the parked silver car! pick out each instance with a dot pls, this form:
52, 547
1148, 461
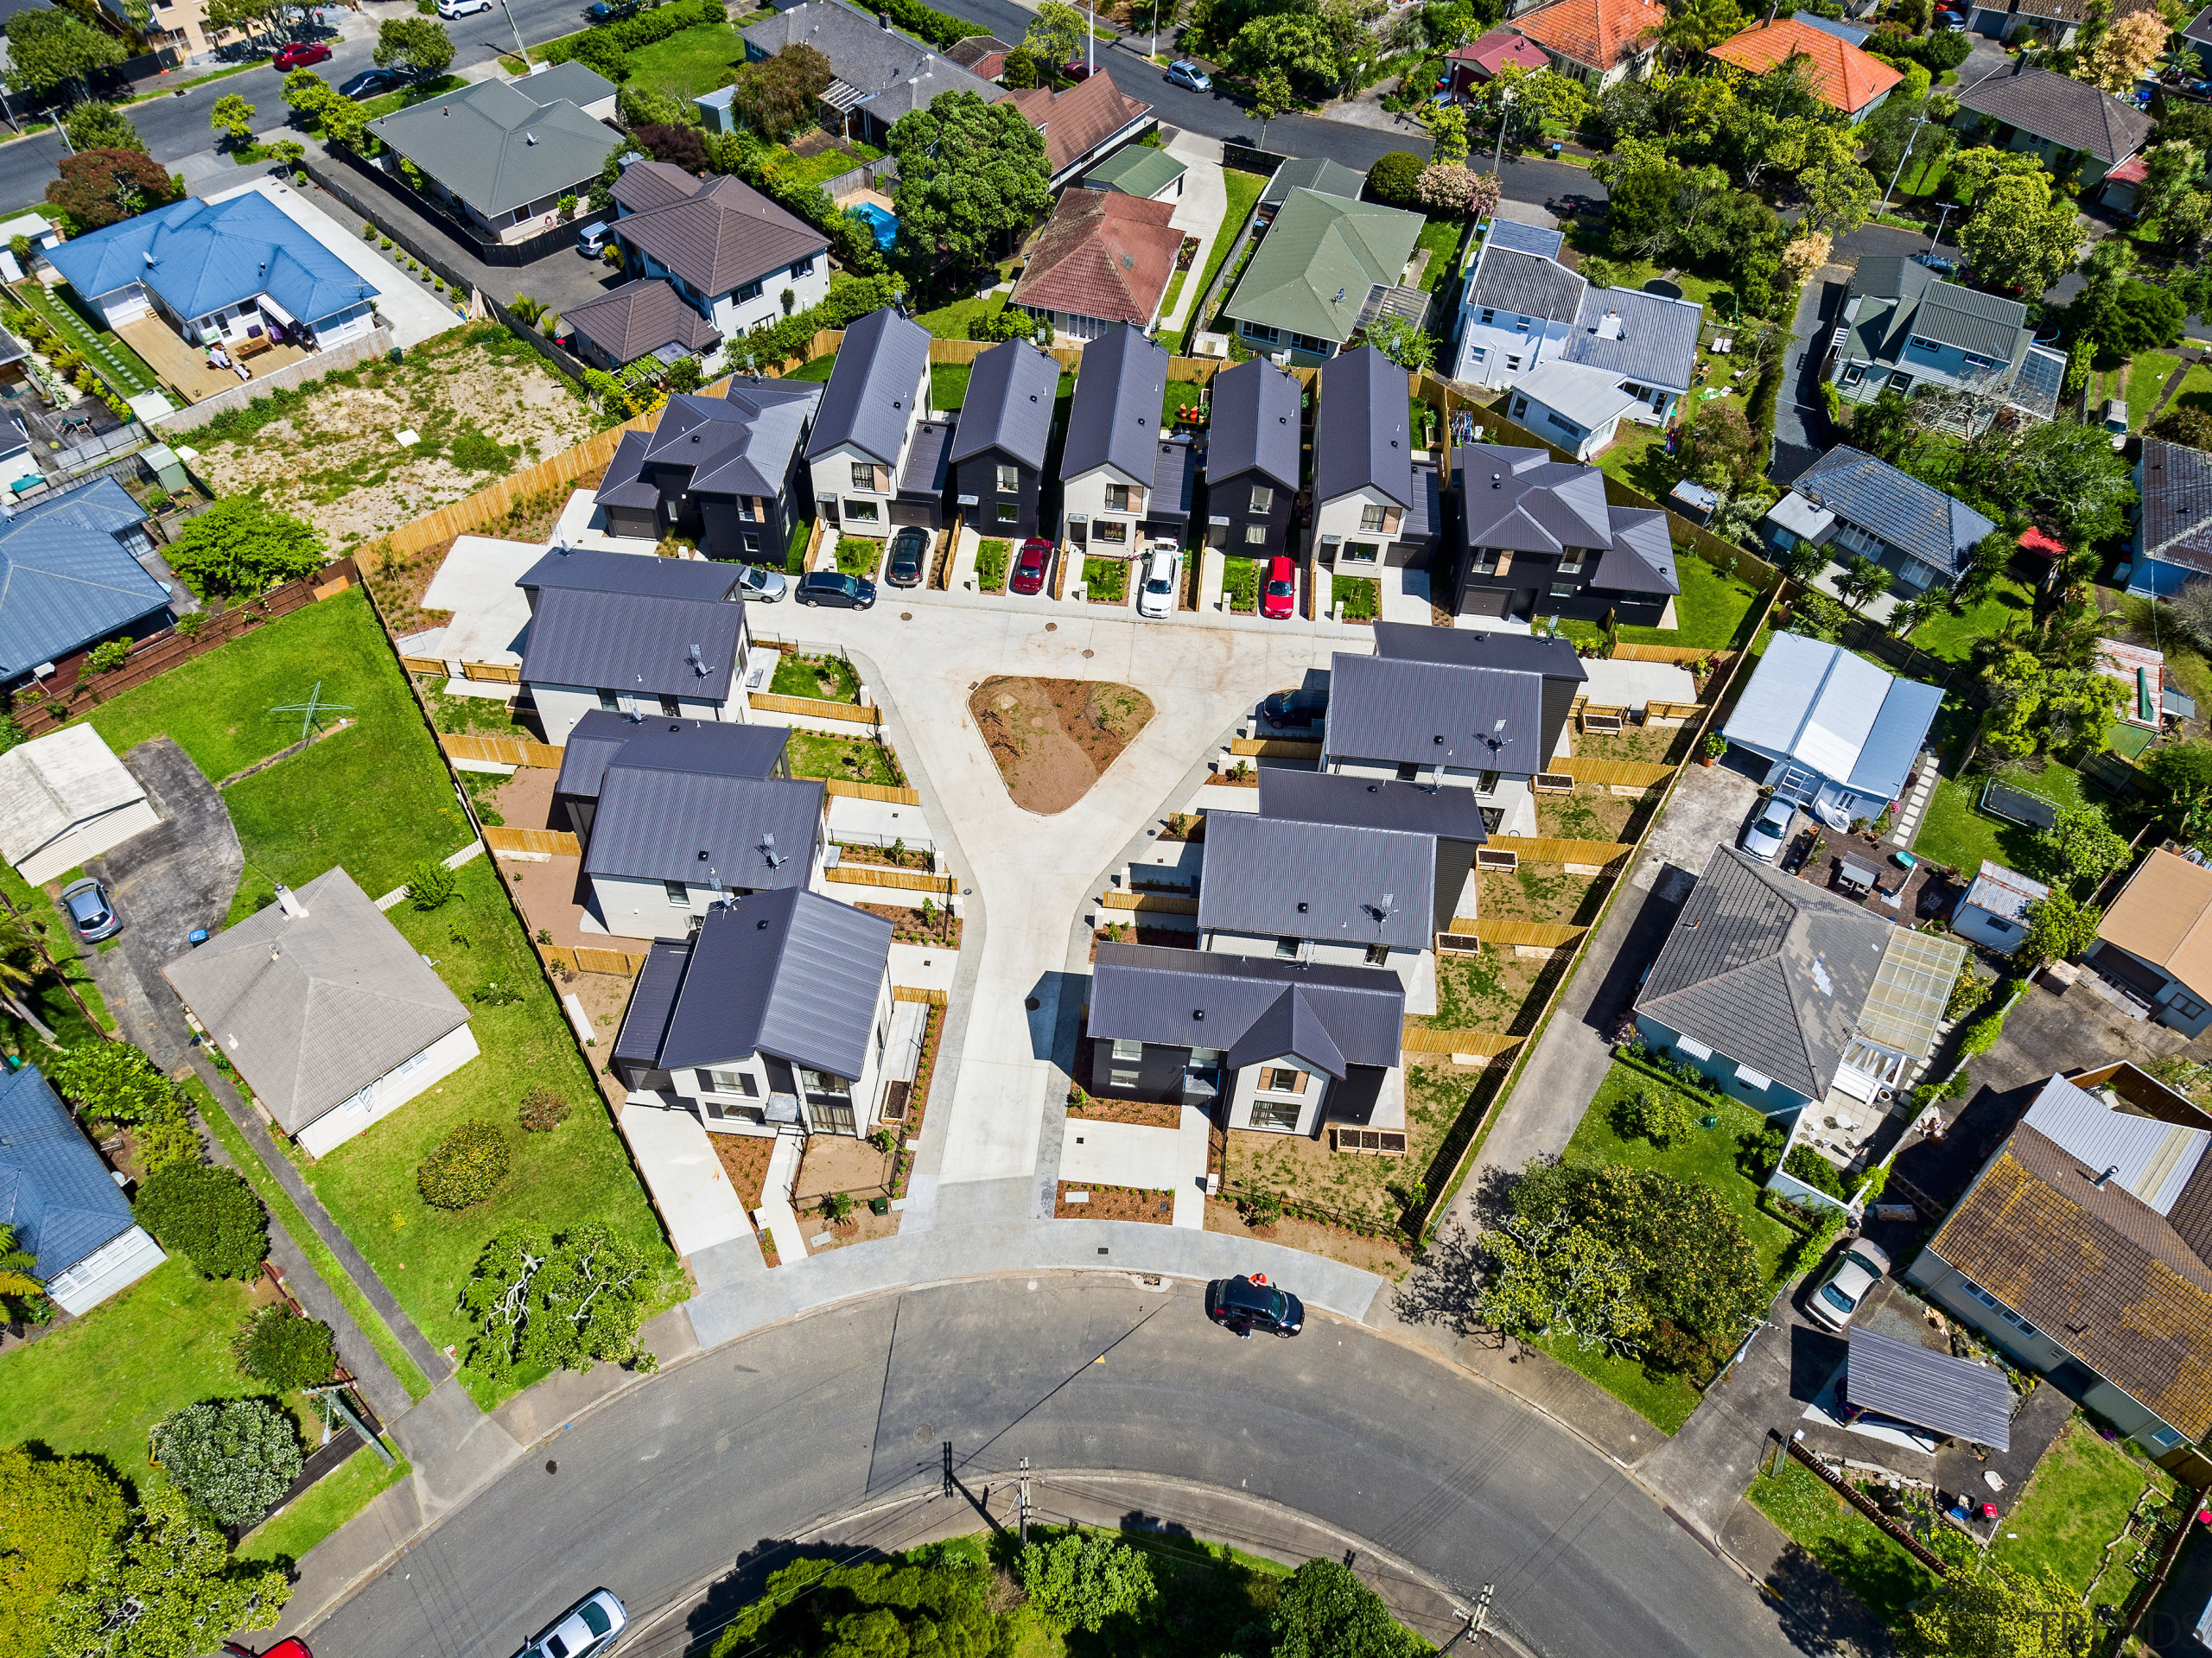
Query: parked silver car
1861, 1268
1770, 830
90, 911
590, 1626
762, 585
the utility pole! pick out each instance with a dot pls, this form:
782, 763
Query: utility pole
1090, 39
1910, 140
1505, 120
1939, 220
1023, 1510
521, 51
951, 1483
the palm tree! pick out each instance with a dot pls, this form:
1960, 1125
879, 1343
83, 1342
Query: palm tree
1862, 581
17, 976
17, 1279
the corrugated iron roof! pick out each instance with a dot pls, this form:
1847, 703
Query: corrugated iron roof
1113, 418
1953, 1398
1370, 802
1254, 425
2164, 914
1208, 998
1312, 269
703, 829
1362, 436
1011, 390
1939, 529
1322, 880
54, 1190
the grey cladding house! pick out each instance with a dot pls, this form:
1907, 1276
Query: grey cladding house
1551, 657
1851, 504
1121, 478
876, 462
995, 459
1903, 328
1374, 505
504, 152
1440, 724
1539, 537
1292, 1047
1253, 452
728, 472
726, 251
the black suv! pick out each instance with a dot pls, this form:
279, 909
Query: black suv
1248, 1304
838, 591
1295, 710
910, 551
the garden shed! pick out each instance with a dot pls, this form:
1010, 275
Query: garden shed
65, 797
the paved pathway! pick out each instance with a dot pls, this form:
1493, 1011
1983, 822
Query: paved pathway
1204, 205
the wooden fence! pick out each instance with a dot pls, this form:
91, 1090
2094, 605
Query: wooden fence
1858, 1500
816, 708
1275, 748
1672, 714
66, 693
881, 791
1155, 903
492, 673
553, 843
423, 664
1198, 370
1528, 934
587, 960
499, 751
1627, 650
1538, 848
1625, 774
1486, 1045
911, 993
906, 880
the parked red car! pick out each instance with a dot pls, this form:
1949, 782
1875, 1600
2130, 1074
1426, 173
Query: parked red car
300, 54
1279, 592
1077, 71
290, 1647
1034, 563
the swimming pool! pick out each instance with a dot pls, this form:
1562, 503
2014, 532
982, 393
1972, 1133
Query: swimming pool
884, 226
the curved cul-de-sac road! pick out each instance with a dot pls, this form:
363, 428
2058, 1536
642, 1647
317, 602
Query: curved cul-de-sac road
670, 1484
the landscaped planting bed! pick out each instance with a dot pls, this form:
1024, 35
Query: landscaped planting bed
825, 678
1858, 1553
1240, 581
858, 555
992, 558
1115, 1204
1359, 598
1106, 580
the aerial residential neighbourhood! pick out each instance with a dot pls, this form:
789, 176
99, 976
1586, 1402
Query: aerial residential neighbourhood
1263, 831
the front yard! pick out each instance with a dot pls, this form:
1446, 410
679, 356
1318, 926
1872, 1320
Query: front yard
850, 760
1855, 1551
2077, 1502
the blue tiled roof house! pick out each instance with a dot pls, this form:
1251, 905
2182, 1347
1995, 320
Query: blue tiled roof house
63, 1204
1851, 504
212, 268
68, 578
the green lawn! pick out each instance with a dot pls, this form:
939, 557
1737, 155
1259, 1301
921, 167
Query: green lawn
1243, 194
992, 557
1709, 1157
854, 759
858, 555
798, 172
804, 676
1952, 637
101, 1383
49, 996
1106, 579
948, 385
952, 321
121, 367
2146, 379
406, 97
1709, 612
1441, 237
325, 1506
2076, 1501
1359, 597
1240, 581
579, 1171
1857, 1553
1956, 833
818, 370
692, 61
1181, 395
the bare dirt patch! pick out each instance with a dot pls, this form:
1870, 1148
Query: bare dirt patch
1653, 744
1146, 1114
745, 1159
1115, 1204
1378, 1256
863, 1227
912, 927
836, 1163
1051, 739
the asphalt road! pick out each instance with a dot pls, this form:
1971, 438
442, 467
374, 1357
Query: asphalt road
705, 1470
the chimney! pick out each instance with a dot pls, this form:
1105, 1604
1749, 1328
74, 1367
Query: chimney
883, 19
2019, 63
289, 902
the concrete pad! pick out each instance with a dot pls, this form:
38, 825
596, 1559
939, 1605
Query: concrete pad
583, 523
881, 819
1631, 685
923, 967
476, 582
1193, 1137
1120, 1154
455, 1448
1202, 211
1405, 596
414, 314
686, 1178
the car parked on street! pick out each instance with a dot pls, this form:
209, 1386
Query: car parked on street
1245, 1304
762, 585
909, 559
1032, 566
590, 1626
91, 912
462, 7
1279, 592
1859, 1269
372, 83
837, 590
300, 54
1770, 830
1079, 71
1184, 72
1295, 710
608, 11
1163, 569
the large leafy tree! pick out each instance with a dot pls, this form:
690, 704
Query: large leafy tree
1552, 1276
232, 118
419, 46
2081, 847
48, 49
2002, 1612
173, 1591
2058, 928
1055, 33
59, 1518
2115, 58
776, 96
1085, 1580
98, 125
105, 187
210, 1214
2023, 235
565, 1302
113, 1082
970, 174
1324, 1610
234, 1457
240, 546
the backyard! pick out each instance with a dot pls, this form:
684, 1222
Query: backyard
2077, 1502
1708, 614
121, 367
850, 760
374, 796
1952, 636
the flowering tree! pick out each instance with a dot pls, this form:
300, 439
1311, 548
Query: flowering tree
1801, 255
2117, 58
1444, 188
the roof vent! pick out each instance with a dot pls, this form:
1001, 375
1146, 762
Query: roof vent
1197, 1012
530, 138
1440, 737
2107, 1175
1140, 420
289, 902
761, 925
703, 855
1497, 481
1128, 263
1374, 788
1301, 906
1609, 326
1032, 396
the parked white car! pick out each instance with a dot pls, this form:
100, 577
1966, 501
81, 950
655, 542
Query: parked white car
1841, 1293
462, 7
588, 1628
1770, 832
1163, 571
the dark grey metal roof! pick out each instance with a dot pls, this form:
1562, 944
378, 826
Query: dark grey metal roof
1527, 285
1890, 276
1314, 172
586, 569
868, 56
54, 1190
1642, 558
1643, 338
713, 747
1524, 239
1382, 709
2199, 28
1205, 999
1361, 434
1468, 647
1174, 479
1254, 424
1009, 403
2070, 113
1954, 1398
1114, 418
1984, 323
869, 401
653, 824
644, 1022
1770, 971
1918, 517
1327, 881
1525, 502
740, 443
625, 642
927, 471
1370, 803
791, 974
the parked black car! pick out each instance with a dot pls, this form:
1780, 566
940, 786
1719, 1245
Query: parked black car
1248, 1304
838, 591
1296, 710
372, 83
909, 559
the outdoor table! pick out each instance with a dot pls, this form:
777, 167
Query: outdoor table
1858, 875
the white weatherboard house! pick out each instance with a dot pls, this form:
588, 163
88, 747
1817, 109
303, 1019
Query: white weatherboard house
65, 797
1841, 735
332, 1017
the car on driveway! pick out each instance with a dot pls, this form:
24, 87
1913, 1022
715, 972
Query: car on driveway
300, 54
909, 559
837, 590
1279, 592
1184, 72
1245, 1304
762, 585
90, 911
1163, 567
372, 83
462, 7
590, 1626
1295, 710
1770, 830
1032, 566
1860, 1268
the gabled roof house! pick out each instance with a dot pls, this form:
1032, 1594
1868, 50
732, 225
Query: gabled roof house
727, 473
2155, 942
1844, 77
1254, 449
1903, 328
1854, 505
645, 318
726, 252
995, 460
876, 460
65, 1207
70, 577
1551, 656
66, 798
879, 73
1597, 42
1542, 539
1121, 477
1082, 125
504, 152
2172, 540
1840, 736
1103, 257
1325, 265
2047, 115
1374, 505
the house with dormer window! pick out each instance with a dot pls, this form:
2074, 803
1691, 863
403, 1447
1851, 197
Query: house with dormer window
877, 462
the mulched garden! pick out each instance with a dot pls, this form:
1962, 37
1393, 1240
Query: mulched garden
1115, 1204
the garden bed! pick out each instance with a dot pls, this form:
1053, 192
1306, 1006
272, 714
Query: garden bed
858, 554
745, 1159
1106, 580
1052, 739
1359, 598
992, 558
912, 927
1240, 584
1386, 1257
1145, 1114
1115, 1204
1857, 1553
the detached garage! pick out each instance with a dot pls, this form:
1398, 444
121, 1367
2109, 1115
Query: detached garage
64, 798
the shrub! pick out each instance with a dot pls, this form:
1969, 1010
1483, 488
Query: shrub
430, 885
113, 1082
543, 1111
1967, 993
1805, 1164
234, 1457
1659, 1115
1395, 178
240, 546
1081, 1579
210, 1214
106, 658
467, 1165
287, 1351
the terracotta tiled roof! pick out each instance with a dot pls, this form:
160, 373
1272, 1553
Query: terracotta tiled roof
1102, 254
1846, 77
1077, 121
1596, 33
1501, 47
2095, 1268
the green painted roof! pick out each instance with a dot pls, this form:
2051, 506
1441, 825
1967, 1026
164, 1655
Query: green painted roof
1140, 170
1318, 247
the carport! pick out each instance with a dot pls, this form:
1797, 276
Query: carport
1903, 1384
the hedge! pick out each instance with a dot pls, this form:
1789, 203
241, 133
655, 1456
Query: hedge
210, 1214
607, 47
932, 26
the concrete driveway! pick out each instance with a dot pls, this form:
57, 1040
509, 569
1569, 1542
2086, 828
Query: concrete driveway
178, 875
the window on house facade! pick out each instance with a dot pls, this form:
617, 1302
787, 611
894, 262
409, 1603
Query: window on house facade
863, 475
859, 512
1282, 1079
1358, 552
1281, 1115
803, 268
1853, 373
1261, 331
1900, 383
1481, 561
1513, 366
1562, 589
1489, 316
1378, 956
1110, 531
1120, 1078
1480, 355
1370, 518
730, 1082
750, 290
1922, 343
678, 893
611, 701
1486, 784
1126, 1049
1559, 423
1254, 534
1408, 769
1009, 480
671, 708
1117, 498
1570, 561
1263, 499
1313, 343
1008, 513
1286, 950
